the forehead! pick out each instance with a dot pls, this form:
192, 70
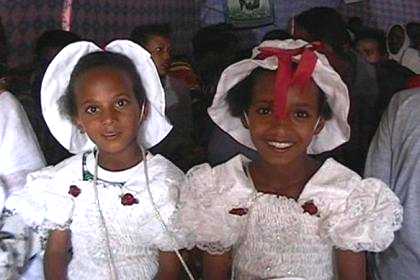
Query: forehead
396, 31
158, 40
367, 43
264, 87
103, 77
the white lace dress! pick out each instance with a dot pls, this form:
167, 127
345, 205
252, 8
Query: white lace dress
135, 234
272, 236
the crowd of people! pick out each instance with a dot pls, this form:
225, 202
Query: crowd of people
296, 159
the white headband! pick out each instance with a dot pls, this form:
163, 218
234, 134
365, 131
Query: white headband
336, 130
56, 79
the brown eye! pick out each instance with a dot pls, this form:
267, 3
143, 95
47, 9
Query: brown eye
264, 111
121, 103
92, 110
301, 114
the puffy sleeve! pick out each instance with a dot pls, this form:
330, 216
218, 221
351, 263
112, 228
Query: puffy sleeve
40, 203
206, 201
358, 215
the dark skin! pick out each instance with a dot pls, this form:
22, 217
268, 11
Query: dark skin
108, 111
284, 167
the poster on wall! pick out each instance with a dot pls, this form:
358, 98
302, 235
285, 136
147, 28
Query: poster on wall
249, 13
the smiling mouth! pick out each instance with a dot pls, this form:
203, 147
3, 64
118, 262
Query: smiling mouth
111, 135
281, 146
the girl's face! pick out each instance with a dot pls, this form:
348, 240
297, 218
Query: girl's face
108, 111
160, 49
282, 142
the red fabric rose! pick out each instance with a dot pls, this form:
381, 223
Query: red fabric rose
239, 211
128, 199
74, 190
310, 208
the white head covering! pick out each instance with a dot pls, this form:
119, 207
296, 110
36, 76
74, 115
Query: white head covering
398, 56
336, 130
406, 56
56, 79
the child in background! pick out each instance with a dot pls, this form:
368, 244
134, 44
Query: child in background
179, 146
105, 206
20, 154
390, 75
286, 214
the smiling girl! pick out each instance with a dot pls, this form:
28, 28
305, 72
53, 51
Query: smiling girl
103, 208
286, 215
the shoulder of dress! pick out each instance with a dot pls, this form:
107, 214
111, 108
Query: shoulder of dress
219, 172
68, 167
334, 173
165, 168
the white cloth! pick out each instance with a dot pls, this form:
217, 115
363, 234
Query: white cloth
406, 56
276, 238
394, 157
19, 149
54, 85
19, 155
134, 232
336, 130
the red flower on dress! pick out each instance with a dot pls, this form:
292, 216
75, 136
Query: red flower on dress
310, 208
74, 190
239, 211
128, 199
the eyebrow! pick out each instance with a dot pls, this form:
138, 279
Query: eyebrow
265, 101
91, 101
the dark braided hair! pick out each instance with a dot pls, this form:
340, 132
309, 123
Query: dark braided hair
97, 60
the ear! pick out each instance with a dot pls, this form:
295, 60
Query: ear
144, 111
79, 125
244, 120
319, 126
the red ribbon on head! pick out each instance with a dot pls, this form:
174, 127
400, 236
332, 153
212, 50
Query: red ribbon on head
285, 77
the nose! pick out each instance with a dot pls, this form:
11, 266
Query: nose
109, 116
280, 123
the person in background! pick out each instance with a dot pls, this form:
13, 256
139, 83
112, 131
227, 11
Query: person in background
391, 76
394, 157
413, 32
216, 47
179, 146
354, 26
325, 27
398, 47
46, 48
20, 154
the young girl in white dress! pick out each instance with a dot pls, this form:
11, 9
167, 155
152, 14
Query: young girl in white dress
286, 215
110, 210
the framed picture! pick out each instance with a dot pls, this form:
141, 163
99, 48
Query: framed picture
249, 13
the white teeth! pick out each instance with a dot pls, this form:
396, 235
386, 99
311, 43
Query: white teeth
280, 145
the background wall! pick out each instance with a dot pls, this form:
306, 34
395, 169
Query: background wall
375, 13
99, 20
102, 20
